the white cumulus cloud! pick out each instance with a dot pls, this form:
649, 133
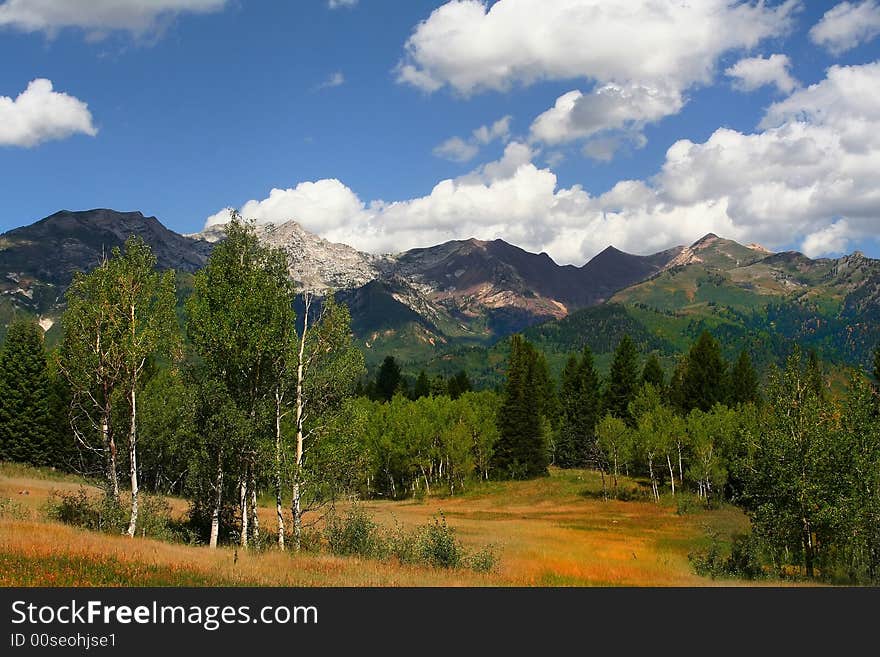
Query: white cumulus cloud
39, 114
805, 177
641, 56
464, 150
341, 4
472, 46
457, 150
755, 72
324, 205
847, 25
97, 16
611, 107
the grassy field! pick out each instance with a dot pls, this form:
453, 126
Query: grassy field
554, 531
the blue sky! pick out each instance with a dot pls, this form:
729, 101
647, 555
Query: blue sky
212, 104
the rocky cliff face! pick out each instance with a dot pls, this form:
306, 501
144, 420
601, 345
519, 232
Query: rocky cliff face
317, 265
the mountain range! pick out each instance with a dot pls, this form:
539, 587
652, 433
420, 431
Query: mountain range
448, 305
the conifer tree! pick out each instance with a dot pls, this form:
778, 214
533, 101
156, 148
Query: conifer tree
743, 381
545, 388
676, 385
579, 408
564, 455
521, 450
458, 385
814, 375
26, 433
704, 381
422, 387
653, 373
388, 379
623, 383
439, 386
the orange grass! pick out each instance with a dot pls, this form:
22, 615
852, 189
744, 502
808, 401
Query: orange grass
548, 532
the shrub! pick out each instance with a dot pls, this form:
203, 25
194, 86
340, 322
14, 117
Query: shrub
743, 562
403, 545
12, 509
94, 513
745, 557
309, 540
438, 546
483, 560
354, 535
101, 513
686, 504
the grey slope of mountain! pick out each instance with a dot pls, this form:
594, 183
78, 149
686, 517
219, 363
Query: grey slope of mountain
37, 262
53, 248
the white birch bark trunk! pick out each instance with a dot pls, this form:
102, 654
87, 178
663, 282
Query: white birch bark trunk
279, 511
218, 500
243, 503
132, 457
110, 447
297, 471
255, 519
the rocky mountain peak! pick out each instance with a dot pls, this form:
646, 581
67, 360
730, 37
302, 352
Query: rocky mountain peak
316, 265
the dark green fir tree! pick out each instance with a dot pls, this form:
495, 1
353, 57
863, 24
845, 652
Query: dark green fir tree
422, 387
704, 383
743, 381
815, 377
623, 381
26, 429
579, 411
521, 449
652, 373
458, 385
388, 379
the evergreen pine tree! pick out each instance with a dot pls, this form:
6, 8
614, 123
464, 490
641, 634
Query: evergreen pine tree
439, 386
521, 450
676, 385
26, 433
623, 382
815, 378
458, 385
705, 380
569, 394
580, 406
653, 373
544, 387
388, 379
63, 446
422, 387
743, 381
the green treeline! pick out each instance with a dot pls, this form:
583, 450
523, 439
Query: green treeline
235, 401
